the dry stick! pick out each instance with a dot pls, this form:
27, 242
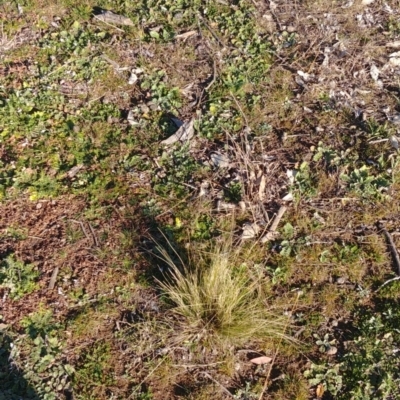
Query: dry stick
274, 225
82, 227
240, 109
107, 23
114, 64
173, 207
264, 211
145, 379
265, 387
246, 140
275, 17
35, 237
197, 365
313, 45
277, 219
96, 242
378, 141
53, 278
395, 254
214, 75
224, 389
242, 154
210, 30
387, 282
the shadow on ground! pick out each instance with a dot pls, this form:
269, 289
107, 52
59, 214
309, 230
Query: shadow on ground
13, 385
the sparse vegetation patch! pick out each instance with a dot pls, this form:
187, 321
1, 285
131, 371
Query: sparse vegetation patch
199, 199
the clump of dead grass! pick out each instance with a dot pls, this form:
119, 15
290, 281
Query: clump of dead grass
215, 299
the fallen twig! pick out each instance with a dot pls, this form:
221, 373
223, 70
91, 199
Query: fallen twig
82, 227
139, 386
274, 226
277, 219
214, 77
378, 141
35, 237
96, 242
387, 282
197, 365
264, 211
246, 129
272, 10
53, 278
104, 22
393, 250
223, 388
267, 378
216, 37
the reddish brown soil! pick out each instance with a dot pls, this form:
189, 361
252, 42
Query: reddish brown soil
48, 245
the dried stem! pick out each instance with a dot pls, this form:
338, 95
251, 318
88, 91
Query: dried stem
393, 250
53, 278
274, 226
265, 387
224, 389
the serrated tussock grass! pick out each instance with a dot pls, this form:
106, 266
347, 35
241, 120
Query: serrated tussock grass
215, 299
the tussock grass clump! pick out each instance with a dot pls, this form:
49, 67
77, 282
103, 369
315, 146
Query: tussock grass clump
217, 301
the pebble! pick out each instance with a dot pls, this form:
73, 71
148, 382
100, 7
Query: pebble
342, 280
220, 160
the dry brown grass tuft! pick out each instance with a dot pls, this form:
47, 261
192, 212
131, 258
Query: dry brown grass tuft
217, 302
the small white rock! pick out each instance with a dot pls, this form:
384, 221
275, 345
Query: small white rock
250, 231
394, 141
134, 75
183, 134
374, 71
220, 160
288, 197
332, 351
